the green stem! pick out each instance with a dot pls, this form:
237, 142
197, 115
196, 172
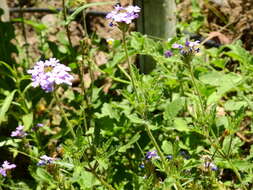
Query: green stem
66, 26
237, 173
102, 181
24, 31
129, 65
159, 152
64, 114
196, 89
25, 154
92, 170
92, 78
136, 92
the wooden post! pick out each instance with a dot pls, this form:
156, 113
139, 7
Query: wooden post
157, 19
6, 16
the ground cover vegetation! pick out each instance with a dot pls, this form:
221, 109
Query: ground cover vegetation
67, 122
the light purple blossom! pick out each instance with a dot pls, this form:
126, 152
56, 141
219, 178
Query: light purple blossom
152, 154
123, 14
44, 160
5, 167
49, 73
19, 132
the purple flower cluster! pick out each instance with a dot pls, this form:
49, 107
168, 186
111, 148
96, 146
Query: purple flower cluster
49, 73
44, 160
19, 132
123, 14
152, 154
189, 47
5, 167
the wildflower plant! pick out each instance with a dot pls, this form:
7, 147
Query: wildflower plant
102, 125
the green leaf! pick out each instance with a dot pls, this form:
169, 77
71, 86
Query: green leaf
167, 147
27, 120
80, 9
108, 110
223, 83
215, 78
13, 73
64, 164
6, 105
173, 108
43, 175
36, 25
222, 121
181, 125
238, 53
129, 144
84, 178
233, 105
242, 165
10, 142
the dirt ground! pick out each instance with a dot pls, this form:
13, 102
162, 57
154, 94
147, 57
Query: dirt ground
226, 20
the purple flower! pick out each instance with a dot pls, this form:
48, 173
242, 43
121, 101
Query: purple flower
189, 48
191, 44
49, 73
142, 166
19, 132
211, 166
177, 46
39, 125
152, 154
123, 14
168, 54
169, 157
44, 160
5, 167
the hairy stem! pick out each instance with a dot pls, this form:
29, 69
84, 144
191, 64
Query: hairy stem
65, 19
196, 89
57, 99
130, 66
